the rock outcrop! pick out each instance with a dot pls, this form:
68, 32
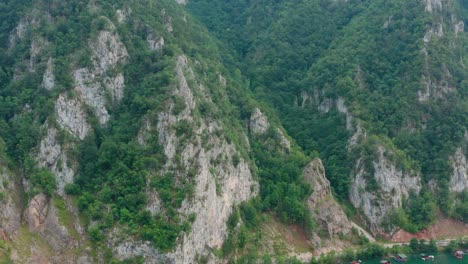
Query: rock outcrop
459, 180
10, 214
154, 41
52, 156
434, 5
325, 210
71, 116
217, 186
36, 213
48, 80
258, 122
393, 186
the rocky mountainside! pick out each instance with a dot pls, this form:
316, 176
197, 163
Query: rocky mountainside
184, 132
378, 88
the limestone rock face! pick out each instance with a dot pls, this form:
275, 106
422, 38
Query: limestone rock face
108, 51
71, 116
36, 213
130, 248
459, 180
52, 155
154, 41
217, 186
48, 80
10, 214
325, 210
258, 122
434, 5
284, 142
393, 184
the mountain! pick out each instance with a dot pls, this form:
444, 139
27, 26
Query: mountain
214, 131
378, 88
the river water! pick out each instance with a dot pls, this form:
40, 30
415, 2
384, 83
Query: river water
440, 258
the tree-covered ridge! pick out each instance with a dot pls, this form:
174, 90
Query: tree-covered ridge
114, 171
304, 56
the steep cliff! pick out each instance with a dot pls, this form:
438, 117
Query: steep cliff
325, 210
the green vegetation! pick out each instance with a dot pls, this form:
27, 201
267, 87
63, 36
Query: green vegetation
299, 54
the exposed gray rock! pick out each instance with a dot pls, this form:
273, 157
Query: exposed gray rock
56, 235
51, 155
123, 14
284, 142
218, 186
393, 187
48, 79
305, 97
20, 30
37, 45
10, 214
94, 85
258, 122
167, 21
129, 249
459, 180
154, 41
341, 107
108, 51
459, 27
433, 88
325, 210
71, 116
222, 80
326, 105
437, 32
433, 5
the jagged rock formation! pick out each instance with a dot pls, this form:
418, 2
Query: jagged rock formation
459, 180
393, 186
325, 210
10, 215
52, 155
48, 80
36, 213
258, 122
71, 116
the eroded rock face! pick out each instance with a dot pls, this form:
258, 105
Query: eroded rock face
145, 249
258, 122
218, 186
393, 187
459, 180
48, 79
108, 51
435, 32
10, 215
93, 84
71, 116
52, 155
434, 5
92, 93
284, 142
36, 213
325, 210
123, 14
154, 41
56, 235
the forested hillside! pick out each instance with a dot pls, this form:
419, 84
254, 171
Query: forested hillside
351, 77
213, 132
